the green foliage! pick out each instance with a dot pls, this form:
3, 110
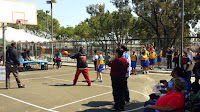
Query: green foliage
95, 10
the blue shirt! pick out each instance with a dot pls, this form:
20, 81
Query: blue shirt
170, 84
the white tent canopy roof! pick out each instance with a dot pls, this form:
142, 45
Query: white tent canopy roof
18, 35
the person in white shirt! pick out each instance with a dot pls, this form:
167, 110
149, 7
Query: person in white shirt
95, 57
189, 54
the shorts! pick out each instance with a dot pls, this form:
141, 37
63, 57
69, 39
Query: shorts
133, 64
159, 59
152, 61
144, 63
100, 69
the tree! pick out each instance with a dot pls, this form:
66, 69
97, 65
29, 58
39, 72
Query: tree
40, 28
95, 9
164, 17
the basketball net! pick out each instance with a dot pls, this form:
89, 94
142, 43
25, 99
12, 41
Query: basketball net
21, 23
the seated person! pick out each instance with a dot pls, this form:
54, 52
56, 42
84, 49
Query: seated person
176, 72
171, 101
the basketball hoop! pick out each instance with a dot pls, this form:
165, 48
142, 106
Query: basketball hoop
21, 23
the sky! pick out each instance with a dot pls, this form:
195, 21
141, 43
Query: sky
70, 12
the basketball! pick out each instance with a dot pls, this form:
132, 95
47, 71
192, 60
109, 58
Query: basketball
65, 53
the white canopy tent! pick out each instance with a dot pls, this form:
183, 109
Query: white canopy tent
19, 35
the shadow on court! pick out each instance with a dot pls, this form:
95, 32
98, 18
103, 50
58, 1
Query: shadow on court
97, 105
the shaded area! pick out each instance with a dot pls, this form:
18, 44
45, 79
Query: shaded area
61, 85
105, 106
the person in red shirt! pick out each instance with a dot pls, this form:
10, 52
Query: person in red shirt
119, 67
172, 100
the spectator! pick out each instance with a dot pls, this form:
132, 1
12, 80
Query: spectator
176, 72
159, 58
82, 66
169, 58
107, 59
189, 54
133, 62
197, 66
100, 65
95, 57
119, 66
128, 58
187, 67
12, 64
144, 62
58, 59
176, 58
152, 56
171, 101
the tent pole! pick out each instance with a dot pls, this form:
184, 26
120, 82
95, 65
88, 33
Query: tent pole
4, 44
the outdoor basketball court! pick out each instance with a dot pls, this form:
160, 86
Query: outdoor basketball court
52, 90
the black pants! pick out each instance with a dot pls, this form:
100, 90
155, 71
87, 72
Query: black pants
58, 63
95, 65
176, 62
126, 90
169, 63
118, 86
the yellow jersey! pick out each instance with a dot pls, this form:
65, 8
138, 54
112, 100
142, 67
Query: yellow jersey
133, 57
100, 60
152, 55
159, 53
143, 57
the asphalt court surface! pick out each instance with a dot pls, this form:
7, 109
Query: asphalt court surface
52, 91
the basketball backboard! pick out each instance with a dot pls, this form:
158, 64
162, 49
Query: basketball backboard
11, 11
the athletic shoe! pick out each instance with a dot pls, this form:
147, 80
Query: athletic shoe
89, 84
135, 73
22, 86
127, 102
141, 67
74, 84
97, 79
143, 72
100, 80
147, 72
131, 74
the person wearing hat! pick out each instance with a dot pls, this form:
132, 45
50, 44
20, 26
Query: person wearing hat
12, 64
133, 62
171, 101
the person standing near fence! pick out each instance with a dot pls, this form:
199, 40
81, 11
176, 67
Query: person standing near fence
159, 58
100, 65
152, 57
128, 58
58, 59
169, 58
82, 66
197, 66
12, 64
107, 59
144, 62
176, 58
133, 62
95, 57
119, 67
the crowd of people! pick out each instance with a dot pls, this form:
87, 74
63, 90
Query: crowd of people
120, 71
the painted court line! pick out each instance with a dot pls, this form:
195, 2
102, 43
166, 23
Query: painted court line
40, 77
81, 100
102, 86
50, 110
